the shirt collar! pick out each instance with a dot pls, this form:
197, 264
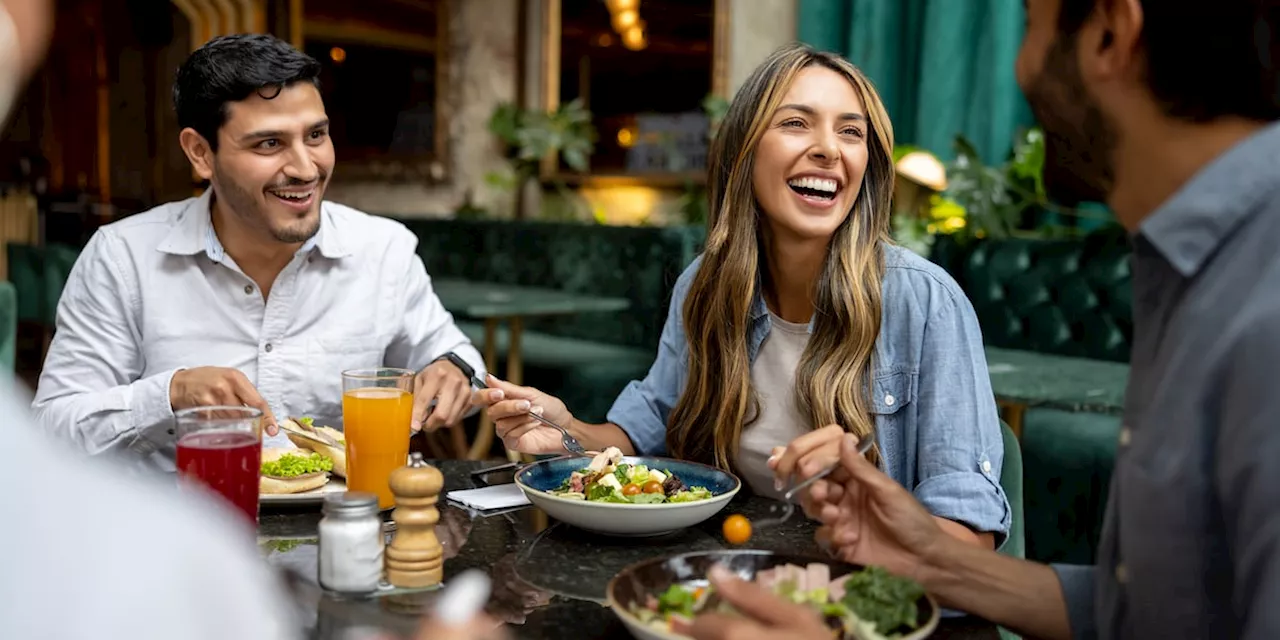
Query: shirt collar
759, 309
193, 233
1189, 227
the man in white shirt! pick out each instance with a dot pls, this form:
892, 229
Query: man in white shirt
256, 293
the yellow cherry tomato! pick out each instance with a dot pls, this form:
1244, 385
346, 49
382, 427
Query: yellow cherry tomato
737, 529
653, 486
631, 489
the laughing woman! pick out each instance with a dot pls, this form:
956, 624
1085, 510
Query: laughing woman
802, 321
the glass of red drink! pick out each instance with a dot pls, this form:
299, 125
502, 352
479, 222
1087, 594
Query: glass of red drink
221, 448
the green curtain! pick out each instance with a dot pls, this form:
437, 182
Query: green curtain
942, 67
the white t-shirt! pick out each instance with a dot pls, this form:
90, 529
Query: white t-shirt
92, 552
773, 374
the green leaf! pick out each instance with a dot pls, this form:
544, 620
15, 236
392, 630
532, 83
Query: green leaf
882, 598
648, 498
575, 159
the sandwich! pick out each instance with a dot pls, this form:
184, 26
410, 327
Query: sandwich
293, 470
325, 441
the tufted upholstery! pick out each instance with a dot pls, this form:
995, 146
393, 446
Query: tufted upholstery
638, 263
585, 359
1069, 297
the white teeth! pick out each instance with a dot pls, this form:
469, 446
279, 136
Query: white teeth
292, 196
817, 184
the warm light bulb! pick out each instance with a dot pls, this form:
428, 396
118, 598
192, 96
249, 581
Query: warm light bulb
626, 137
624, 20
621, 5
633, 38
338, 54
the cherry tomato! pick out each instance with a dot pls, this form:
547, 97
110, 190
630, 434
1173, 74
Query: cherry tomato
653, 486
737, 529
631, 489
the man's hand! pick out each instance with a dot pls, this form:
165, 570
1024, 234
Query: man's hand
767, 616
444, 383
509, 405
871, 519
218, 386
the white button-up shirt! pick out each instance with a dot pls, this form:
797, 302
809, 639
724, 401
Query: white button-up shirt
156, 292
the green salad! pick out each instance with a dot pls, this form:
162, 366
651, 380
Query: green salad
608, 479
871, 604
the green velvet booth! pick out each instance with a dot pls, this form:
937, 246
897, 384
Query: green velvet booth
1065, 297
1056, 318
1011, 480
585, 359
8, 325
38, 275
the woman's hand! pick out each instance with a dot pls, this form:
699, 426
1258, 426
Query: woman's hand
806, 456
871, 519
509, 406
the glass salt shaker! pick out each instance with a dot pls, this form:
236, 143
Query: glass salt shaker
351, 543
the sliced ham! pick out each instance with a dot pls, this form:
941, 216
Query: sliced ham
835, 588
818, 576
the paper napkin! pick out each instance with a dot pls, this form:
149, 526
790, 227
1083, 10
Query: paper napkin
501, 496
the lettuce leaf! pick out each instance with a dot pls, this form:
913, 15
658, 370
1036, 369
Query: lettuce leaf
296, 464
648, 498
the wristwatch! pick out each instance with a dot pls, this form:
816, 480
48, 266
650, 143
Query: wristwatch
462, 365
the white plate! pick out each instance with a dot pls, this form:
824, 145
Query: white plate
314, 496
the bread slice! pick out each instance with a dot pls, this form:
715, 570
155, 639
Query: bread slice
337, 454
297, 484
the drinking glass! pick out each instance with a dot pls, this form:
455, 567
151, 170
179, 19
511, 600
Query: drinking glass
221, 448
377, 409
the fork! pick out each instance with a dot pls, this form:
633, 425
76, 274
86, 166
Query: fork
567, 441
789, 507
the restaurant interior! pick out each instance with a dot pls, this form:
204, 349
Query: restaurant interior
560, 145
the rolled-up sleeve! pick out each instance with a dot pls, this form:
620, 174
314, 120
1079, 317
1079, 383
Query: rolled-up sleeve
960, 449
643, 407
1077, 583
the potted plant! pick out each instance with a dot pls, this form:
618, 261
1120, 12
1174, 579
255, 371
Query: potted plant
529, 135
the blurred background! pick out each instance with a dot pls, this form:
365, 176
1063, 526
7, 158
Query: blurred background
562, 143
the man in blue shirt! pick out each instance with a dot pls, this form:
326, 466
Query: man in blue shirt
1168, 109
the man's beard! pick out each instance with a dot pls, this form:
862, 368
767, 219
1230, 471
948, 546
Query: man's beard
244, 206
1078, 140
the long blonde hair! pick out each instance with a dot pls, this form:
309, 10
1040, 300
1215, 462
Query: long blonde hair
836, 367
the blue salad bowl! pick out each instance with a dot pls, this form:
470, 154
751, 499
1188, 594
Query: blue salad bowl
539, 479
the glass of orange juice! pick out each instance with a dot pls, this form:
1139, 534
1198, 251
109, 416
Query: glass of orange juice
377, 408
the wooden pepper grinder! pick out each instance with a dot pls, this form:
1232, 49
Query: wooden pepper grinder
415, 557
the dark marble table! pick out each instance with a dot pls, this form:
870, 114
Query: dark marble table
549, 579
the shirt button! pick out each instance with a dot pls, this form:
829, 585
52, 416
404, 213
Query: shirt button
1122, 574
986, 466
1124, 436
248, 289
888, 400
267, 348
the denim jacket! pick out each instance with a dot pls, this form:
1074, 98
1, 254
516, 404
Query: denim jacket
935, 414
